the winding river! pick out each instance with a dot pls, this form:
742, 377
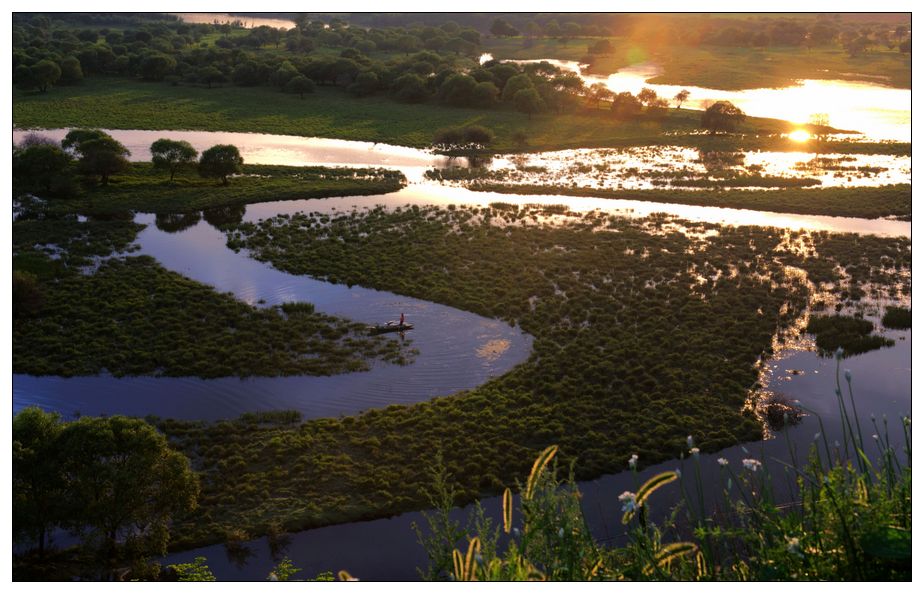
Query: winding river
479, 349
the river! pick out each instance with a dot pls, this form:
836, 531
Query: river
480, 348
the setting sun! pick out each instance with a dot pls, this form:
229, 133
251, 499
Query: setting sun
799, 135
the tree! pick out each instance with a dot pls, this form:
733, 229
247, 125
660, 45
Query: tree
210, 75
722, 116
626, 106
124, 484
156, 66
410, 88
70, 70
45, 167
600, 92
515, 84
366, 83
681, 96
484, 94
647, 96
44, 74
220, 161
172, 155
501, 28
99, 154
300, 84
457, 89
38, 484
527, 101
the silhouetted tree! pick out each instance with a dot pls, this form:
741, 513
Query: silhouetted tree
681, 97
172, 155
722, 116
220, 161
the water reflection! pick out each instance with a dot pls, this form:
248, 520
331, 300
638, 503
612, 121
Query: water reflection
879, 112
220, 18
176, 222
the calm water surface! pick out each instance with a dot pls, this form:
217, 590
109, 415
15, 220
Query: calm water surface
878, 112
220, 18
387, 549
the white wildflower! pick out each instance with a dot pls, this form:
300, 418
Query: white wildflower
792, 545
689, 441
847, 375
722, 462
633, 461
875, 437
695, 452
628, 501
751, 464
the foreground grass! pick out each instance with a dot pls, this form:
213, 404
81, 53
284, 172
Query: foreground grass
716, 67
130, 316
607, 300
144, 189
332, 113
867, 203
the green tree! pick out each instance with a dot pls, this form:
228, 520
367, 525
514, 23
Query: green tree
210, 75
156, 66
43, 167
722, 116
220, 161
626, 106
124, 485
514, 84
37, 481
99, 153
410, 88
45, 73
527, 101
71, 71
484, 94
172, 155
300, 84
501, 28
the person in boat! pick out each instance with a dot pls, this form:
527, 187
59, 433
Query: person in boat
401, 323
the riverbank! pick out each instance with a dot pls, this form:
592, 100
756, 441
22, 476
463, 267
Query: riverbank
118, 103
142, 188
868, 203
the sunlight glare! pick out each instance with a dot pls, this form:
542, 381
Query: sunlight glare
799, 136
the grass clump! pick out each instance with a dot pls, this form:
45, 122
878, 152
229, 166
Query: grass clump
897, 318
850, 335
843, 518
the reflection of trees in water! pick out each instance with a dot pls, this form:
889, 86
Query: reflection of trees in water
118, 215
279, 543
176, 222
221, 216
238, 553
717, 162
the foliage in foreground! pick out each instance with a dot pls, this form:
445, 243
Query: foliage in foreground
847, 520
115, 482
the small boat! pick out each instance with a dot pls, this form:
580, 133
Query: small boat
391, 326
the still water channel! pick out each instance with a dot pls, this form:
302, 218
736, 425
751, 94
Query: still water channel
478, 349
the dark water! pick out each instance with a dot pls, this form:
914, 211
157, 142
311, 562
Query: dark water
387, 549
457, 350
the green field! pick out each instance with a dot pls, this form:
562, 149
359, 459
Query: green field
627, 296
83, 324
144, 189
331, 113
717, 67
867, 203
